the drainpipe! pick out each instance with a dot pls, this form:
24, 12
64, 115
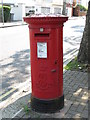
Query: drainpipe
2, 13
64, 7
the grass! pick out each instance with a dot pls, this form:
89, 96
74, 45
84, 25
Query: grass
75, 65
26, 109
33, 114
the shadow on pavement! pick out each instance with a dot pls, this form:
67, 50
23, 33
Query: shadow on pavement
15, 70
16, 107
76, 96
79, 28
69, 51
72, 40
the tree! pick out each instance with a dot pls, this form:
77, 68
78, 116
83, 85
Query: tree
83, 55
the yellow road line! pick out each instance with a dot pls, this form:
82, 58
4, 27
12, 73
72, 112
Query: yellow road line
7, 93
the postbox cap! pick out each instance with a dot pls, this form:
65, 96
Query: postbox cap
42, 18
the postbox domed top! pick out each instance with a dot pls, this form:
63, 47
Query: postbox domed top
45, 19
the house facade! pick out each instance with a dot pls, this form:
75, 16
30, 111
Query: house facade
76, 9
21, 8
69, 8
85, 3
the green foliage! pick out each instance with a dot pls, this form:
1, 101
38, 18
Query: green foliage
6, 12
82, 8
0, 12
26, 109
75, 65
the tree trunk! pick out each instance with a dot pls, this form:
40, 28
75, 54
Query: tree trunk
83, 55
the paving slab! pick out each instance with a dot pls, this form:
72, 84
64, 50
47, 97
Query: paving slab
59, 114
76, 100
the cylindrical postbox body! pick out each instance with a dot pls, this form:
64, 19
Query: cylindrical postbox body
46, 45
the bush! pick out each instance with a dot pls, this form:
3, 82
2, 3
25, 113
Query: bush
6, 12
82, 8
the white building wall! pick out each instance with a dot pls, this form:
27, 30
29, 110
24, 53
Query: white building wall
57, 6
17, 10
52, 9
69, 1
23, 11
59, 2
37, 9
69, 11
28, 8
85, 3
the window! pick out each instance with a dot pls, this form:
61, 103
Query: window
45, 10
57, 10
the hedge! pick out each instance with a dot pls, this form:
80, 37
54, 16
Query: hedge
6, 12
82, 8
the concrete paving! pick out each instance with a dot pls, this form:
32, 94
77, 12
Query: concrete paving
75, 90
76, 97
12, 24
76, 100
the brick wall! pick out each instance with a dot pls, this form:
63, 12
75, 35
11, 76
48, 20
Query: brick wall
77, 12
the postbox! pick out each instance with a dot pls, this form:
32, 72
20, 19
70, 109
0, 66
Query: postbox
46, 46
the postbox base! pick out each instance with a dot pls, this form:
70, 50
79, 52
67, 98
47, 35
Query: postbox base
47, 106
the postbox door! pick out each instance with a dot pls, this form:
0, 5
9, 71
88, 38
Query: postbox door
53, 62
45, 74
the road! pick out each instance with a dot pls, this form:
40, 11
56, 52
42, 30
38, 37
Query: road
15, 55
13, 39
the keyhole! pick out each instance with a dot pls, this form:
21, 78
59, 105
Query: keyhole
56, 62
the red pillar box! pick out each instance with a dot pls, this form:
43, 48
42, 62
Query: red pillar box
46, 44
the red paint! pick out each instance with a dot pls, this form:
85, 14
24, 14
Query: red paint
47, 73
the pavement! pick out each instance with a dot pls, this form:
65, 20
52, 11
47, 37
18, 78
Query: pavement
76, 99
75, 88
12, 24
